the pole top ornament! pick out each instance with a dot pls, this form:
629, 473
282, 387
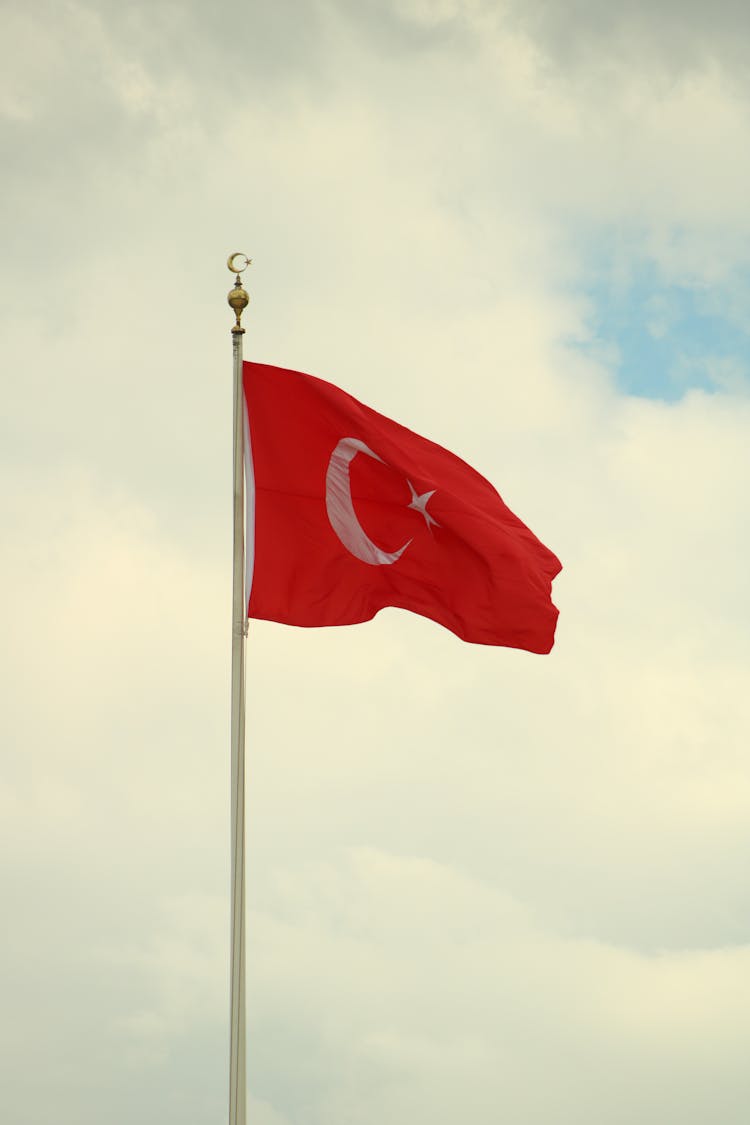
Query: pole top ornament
237, 297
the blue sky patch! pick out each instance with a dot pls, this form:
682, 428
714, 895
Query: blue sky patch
664, 339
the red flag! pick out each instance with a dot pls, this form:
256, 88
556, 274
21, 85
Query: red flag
354, 512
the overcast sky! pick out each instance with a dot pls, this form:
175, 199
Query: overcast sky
484, 886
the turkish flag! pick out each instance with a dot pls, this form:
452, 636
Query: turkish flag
349, 512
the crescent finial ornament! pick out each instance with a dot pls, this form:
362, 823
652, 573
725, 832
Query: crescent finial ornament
234, 259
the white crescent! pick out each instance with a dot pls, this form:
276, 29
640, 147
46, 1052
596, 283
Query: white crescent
340, 506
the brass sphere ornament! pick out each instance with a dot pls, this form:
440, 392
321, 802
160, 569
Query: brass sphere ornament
238, 298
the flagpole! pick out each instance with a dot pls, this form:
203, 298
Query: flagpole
238, 300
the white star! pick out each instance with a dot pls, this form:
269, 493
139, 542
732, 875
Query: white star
419, 504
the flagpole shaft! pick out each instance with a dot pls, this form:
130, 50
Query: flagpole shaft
237, 1077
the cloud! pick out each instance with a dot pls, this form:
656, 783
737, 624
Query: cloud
583, 35
673, 37
491, 1001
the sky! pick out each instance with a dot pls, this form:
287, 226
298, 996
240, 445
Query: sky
482, 885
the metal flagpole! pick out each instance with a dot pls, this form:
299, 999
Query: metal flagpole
238, 300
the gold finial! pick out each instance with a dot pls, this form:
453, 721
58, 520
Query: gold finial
237, 297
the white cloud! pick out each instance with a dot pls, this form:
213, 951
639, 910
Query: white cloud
462, 999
